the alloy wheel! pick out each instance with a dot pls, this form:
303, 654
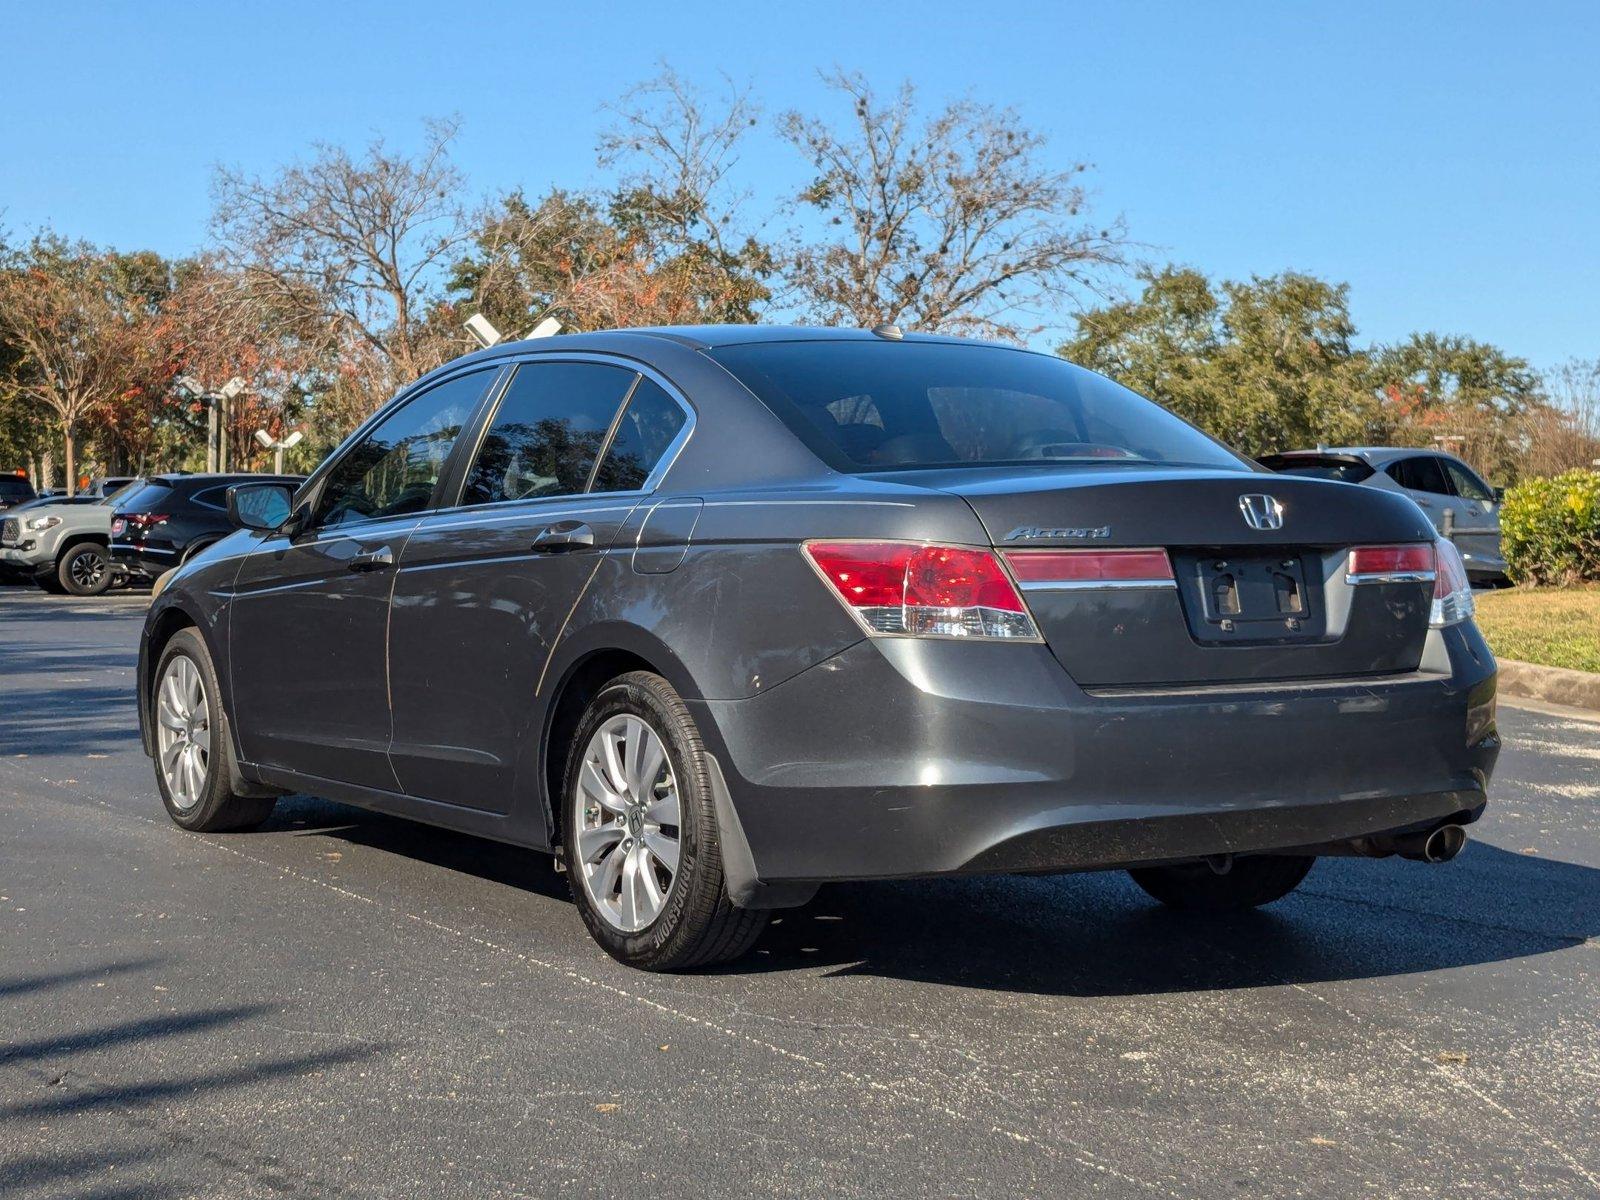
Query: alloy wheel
183, 732
87, 569
627, 825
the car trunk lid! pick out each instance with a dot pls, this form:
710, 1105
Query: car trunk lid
1256, 587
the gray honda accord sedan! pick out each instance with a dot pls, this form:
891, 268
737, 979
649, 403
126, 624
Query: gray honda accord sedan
717, 615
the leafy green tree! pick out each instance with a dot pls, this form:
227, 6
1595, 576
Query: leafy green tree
83, 324
1264, 365
1467, 395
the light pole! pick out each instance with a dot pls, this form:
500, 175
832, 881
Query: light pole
278, 446
219, 409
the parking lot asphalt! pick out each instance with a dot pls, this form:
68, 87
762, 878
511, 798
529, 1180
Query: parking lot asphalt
344, 1004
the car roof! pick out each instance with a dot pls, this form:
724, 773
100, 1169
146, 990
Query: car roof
696, 337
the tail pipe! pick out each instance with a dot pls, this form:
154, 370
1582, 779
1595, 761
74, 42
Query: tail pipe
1437, 845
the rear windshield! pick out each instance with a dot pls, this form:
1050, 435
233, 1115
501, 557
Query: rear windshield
144, 498
121, 493
868, 406
15, 489
1320, 468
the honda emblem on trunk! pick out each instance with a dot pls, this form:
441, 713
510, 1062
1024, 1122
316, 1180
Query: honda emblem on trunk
1261, 512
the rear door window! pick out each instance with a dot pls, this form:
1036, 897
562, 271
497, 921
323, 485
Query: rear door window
1468, 486
1420, 473
547, 431
649, 426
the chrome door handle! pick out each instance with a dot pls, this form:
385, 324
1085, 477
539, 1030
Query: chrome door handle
562, 536
380, 559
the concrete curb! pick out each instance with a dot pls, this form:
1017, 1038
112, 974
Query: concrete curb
1553, 685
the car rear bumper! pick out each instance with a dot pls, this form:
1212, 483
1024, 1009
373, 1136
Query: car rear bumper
147, 561
909, 758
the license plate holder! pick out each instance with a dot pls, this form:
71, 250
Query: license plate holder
1250, 597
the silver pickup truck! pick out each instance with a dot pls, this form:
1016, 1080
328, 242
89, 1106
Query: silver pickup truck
62, 545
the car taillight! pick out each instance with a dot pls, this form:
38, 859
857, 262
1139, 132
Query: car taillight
142, 521
1452, 590
1439, 563
909, 589
1391, 564
1050, 569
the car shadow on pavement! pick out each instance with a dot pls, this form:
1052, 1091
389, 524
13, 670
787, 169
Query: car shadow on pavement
495, 862
1097, 934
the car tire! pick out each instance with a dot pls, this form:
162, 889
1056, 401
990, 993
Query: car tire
1247, 883
84, 570
619, 833
194, 746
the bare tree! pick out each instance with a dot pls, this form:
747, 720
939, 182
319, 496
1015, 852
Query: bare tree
81, 341
953, 223
676, 151
223, 327
1564, 432
361, 244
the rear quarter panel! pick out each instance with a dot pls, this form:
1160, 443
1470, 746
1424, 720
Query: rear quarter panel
745, 611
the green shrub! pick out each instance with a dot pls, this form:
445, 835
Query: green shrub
1550, 529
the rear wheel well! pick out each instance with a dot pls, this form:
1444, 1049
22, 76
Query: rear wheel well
581, 685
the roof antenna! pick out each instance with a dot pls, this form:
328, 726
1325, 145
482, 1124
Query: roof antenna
892, 332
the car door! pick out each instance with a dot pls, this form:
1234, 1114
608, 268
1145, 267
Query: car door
308, 632
485, 588
1423, 479
1476, 527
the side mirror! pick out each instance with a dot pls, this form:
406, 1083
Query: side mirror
260, 506
1499, 494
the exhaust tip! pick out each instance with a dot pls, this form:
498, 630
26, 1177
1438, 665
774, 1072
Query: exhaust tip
1444, 843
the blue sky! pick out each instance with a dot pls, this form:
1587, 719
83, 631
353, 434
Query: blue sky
1443, 159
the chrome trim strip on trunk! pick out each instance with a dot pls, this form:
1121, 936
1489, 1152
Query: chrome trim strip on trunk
1076, 585
1393, 577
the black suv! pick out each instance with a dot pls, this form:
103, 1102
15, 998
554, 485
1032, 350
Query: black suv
14, 489
173, 517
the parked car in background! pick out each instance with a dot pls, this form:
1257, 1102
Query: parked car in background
1460, 504
170, 518
14, 490
718, 614
63, 543
107, 485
